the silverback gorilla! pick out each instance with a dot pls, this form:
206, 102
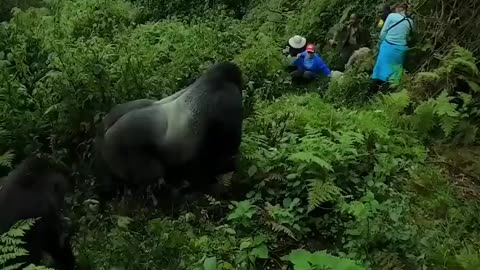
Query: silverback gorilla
35, 189
194, 134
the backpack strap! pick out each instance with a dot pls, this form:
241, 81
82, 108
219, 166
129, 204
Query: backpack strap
405, 18
395, 24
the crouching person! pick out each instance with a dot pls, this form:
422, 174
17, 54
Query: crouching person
309, 65
296, 45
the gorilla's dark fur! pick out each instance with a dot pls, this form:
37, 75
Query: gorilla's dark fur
194, 134
36, 189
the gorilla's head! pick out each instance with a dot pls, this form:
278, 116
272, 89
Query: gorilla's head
226, 72
40, 174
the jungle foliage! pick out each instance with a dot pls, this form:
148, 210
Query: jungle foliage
335, 180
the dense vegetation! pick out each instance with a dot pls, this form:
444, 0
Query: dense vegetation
333, 179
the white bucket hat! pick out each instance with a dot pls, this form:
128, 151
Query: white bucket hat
297, 42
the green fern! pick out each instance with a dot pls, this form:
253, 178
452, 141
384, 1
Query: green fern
320, 192
227, 182
395, 103
461, 58
249, 156
425, 117
439, 110
447, 113
225, 179
4, 134
428, 76
275, 177
311, 157
35, 267
212, 200
10, 246
275, 224
458, 64
387, 261
469, 258
458, 60
473, 85
280, 228
6, 159
13, 266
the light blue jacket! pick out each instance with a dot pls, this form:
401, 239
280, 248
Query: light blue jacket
397, 35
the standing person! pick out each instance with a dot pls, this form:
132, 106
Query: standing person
385, 10
393, 46
309, 65
349, 38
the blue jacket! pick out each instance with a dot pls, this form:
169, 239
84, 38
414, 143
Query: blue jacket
315, 64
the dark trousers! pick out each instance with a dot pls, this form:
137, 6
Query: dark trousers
345, 54
377, 85
290, 68
302, 76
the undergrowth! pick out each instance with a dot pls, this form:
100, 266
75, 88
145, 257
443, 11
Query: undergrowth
336, 179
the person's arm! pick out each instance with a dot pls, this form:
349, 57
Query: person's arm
298, 62
321, 66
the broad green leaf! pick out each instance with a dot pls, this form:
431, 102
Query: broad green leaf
123, 222
260, 252
300, 257
245, 245
210, 263
291, 176
302, 266
474, 86
322, 260
230, 231
322, 163
252, 170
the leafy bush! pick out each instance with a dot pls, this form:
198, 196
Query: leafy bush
349, 89
355, 180
321, 161
186, 10
84, 19
457, 71
57, 81
302, 259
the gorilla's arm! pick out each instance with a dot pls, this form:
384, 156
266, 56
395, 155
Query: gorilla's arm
225, 130
59, 246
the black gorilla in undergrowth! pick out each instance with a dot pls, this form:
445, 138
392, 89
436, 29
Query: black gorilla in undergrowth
192, 135
36, 189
